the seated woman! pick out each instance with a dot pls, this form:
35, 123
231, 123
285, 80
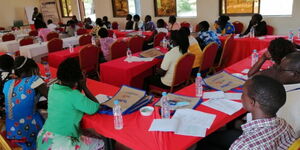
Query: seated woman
66, 107
223, 27
160, 28
277, 49
173, 25
23, 121
206, 36
260, 27
165, 73
105, 43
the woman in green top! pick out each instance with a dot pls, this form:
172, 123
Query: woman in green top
66, 106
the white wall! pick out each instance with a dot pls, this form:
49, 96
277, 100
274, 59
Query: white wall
206, 10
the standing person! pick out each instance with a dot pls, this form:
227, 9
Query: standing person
260, 27
138, 25
129, 23
173, 25
106, 22
148, 24
23, 121
263, 97
38, 19
66, 107
223, 26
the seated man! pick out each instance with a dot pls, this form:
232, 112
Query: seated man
263, 97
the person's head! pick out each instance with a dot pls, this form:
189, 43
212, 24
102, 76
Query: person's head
289, 68
187, 30
279, 48
222, 20
136, 18
256, 18
263, 95
129, 17
181, 39
203, 26
103, 33
25, 67
172, 19
49, 21
99, 22
74, 18
160, 23
72, 23
6, 62
148, 18
35, 10
69, 72
105, 19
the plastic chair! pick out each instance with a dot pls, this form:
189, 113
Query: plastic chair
81, 31
115, 25
52, 35
89, 59
2, 28
8, 37
136, 44
185, 24
33, 33
209, 55
85, 39
225, 52
270, 30
26, 41
238, 27
118, 49
181, 75
158, 38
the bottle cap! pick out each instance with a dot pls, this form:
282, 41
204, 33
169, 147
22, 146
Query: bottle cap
164, 93
198, 74
116, 102
255, 50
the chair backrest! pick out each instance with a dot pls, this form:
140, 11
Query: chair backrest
197, 28
209, 55
81, 31
26, 41
183, 69
118, 49
33, 33
295, 145
238, 26
85, 39
185, 24
52, 35
158, 38
89, 58
55, 45
80, 24
115, 25
136, 44
60, 29
270, 30
225, 52
110, 33
2, 28
8, 37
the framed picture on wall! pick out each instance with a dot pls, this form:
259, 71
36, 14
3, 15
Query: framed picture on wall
239, 7
165, 8
120, 8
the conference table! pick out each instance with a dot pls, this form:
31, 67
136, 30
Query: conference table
135, 134
9, 46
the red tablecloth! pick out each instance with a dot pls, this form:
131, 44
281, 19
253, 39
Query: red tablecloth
1, 53
243, 47
125, 33
58, 57
118, 72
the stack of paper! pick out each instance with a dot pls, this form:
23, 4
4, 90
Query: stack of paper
224, 105
185, 122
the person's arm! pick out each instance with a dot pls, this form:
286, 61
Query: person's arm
248, 29
256, 67
86, 91
261, 29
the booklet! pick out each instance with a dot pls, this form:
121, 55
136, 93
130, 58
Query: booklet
181, 101
151, 53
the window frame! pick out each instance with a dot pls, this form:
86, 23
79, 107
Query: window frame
62, 9
236, 14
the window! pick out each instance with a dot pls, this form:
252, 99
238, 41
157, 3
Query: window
134, 7
89, 9
66, 8
186, 8
276, 7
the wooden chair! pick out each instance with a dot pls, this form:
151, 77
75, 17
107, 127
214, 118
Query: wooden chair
85, 39
115, 25
209, 55
81, 31
33, 33
181, 75
89, 59
225, 53
26, 41
8, 37
295, 145
118, 49
270, 30
5, 144
53, 46
136, 44
158, 38
52, 35
238, 26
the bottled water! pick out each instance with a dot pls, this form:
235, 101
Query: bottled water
291, 35
47, 71
198, 85
93, 40
129, 53
71, 49
164, 43
252, 32
165, 106
118, 119
254, 57
114, 36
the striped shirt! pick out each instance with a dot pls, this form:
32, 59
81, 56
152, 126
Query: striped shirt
265, 134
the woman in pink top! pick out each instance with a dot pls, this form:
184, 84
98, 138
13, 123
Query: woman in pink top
105, 43
173, 25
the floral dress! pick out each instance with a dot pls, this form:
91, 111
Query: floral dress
23, 122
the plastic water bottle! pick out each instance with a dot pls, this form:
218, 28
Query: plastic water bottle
254, 57
299, 33
165, 106
93, 40
114, 36
118, 119
252, 32
198, 85
47, 71
39, 40
75, 34
291, 35
129, 53
164, 43
71, 49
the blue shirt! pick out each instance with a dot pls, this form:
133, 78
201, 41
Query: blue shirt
209, 37
229, 29
149, 26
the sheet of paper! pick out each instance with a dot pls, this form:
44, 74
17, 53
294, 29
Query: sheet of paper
166, 125
245, 71
102, 98
291, 87
138, 59
191, 129
224, 105
217, 94
233, 96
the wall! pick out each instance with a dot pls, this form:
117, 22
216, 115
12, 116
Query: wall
206, 10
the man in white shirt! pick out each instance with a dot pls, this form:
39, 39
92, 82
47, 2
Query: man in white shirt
51, 25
